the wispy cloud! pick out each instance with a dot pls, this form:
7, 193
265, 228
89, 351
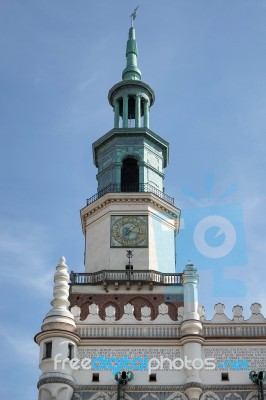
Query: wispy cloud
22, 250
86, 83
20, 344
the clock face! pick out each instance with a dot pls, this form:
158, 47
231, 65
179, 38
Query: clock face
129, 231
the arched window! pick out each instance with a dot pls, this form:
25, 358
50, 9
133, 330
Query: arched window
130, 175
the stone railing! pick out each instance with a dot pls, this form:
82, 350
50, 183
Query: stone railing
142, 187
240, 330
129, 331
108, 276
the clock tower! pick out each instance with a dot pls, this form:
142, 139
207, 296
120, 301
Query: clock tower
130, 327
130, 209
130, 303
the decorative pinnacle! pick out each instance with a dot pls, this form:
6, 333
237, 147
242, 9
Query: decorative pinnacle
61, 287
190, 266
60, 303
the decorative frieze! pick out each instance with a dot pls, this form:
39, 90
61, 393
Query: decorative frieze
255, 355
158, 392
112, 395
131, 353
92, 308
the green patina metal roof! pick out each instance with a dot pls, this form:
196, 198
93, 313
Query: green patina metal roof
144, 132
128, 85
132, 72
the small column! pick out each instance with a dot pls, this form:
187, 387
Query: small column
117, 177
137, 111
125, 111
116, 122
190, 279
146, 114
191, 331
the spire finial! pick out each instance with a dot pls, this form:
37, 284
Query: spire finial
133, 15
132, 72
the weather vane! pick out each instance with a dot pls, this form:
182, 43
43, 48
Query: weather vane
133, 16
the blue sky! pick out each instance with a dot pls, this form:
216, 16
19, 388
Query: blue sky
205, 60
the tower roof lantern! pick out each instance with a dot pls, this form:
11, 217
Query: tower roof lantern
131, 87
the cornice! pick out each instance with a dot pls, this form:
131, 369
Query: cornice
126, 84
170, 342
128, 198
56, 333
133, 132
156, 341
241, 341
55, 380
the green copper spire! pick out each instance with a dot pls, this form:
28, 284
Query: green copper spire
131, 98
132, 72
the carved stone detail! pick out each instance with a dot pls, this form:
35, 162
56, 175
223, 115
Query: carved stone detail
145, 314
94, 309
129, 309
180, 313
252, 396
163, 309
238, 313
159, 392
256, 316
128, 314
120, 300
76, 312
219, 308
201, 311
177, 396
209, 396
148, 395
110, 314
255, 308
219, 316
163, 317
232, 396
93, 317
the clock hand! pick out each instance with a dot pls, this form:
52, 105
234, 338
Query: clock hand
126, 231
132, 227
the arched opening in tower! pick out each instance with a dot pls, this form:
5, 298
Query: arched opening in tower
130, 175
131, 107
